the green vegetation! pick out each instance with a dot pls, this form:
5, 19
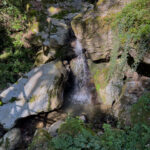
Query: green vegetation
140, 112
33, 98
40, 140
1, 103
14, 57
75, 135
100, 78
135, 138
132, 26
63, 13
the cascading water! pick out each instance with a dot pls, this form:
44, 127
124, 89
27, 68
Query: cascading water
80, 93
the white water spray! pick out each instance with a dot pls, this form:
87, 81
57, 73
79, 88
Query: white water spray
80, 93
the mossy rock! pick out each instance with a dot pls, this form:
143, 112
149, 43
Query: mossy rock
34, 26
40, 140
100, 73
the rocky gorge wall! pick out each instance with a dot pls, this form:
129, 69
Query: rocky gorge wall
118, 92
57, 67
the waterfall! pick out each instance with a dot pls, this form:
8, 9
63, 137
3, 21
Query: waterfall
80, 92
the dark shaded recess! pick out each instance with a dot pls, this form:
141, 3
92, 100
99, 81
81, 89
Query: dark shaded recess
91, 1
27, 126
68, 86
2, 131
100, 118
142, 69
102, 61
5, 39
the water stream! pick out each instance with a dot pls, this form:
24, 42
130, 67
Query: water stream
80, 93
78, 96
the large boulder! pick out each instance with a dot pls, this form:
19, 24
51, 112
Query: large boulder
41, 140
56, 34
53, 129
10, 139
40, 90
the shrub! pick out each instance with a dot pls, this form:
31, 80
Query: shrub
132, 27
74, 135
15, 59
140, 112
135, 138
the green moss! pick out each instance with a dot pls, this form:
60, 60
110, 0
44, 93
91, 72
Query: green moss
35, 26
100, 78
140, 112
63, 13
40, 140
49, 102
100, 2
97, 86
105, 22
33, 98
1, 103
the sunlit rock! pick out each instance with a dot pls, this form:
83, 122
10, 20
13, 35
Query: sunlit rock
40, 90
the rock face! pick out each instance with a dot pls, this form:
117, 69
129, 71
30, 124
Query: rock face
117, 96
53, 129
93, 28
53, 33
10, 139
131, 91
40, 90
40, 140
59, 30
108, 91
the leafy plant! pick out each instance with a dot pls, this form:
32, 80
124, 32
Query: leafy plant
132, 27
74, 135
140, 112
135, 138
15, 59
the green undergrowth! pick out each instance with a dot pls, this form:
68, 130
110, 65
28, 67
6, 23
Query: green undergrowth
15, 58
140, 112
76, 135
132, 27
